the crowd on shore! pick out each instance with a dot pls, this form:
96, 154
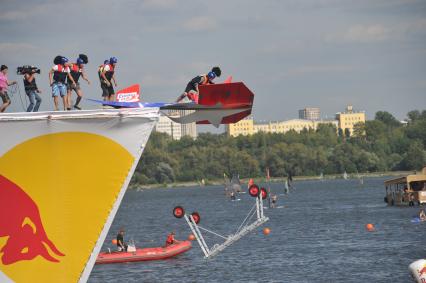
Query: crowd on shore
64, 78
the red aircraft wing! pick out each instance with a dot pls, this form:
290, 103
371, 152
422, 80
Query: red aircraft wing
228, 96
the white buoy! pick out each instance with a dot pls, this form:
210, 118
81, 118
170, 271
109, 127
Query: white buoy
418, 270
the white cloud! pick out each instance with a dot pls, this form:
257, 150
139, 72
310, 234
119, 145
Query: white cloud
416, 26
302, 70
26, 12
200, 24
157, 80
361, 33
371, 33
380, 32
159, 4
13, 48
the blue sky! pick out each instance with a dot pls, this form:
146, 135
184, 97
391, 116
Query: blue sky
291, 53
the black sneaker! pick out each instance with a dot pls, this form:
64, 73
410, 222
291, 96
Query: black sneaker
77, 107
68, 109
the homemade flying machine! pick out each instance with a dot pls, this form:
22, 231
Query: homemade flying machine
222, 103
245, 227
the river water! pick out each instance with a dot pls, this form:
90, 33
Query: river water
318, 236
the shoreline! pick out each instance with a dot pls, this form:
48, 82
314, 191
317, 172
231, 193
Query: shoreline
219, 182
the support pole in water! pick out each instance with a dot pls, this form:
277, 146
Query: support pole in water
198, 236
232, 238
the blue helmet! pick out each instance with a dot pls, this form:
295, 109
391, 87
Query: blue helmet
106, 62
211, 75
64, 60
80, 61
113, 60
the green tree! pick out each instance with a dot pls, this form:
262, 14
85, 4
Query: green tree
385, 146
415, 157
387, 119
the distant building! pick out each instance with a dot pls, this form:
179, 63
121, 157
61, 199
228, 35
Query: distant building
176, 130
311, 113
244, 127
347, 119
165, 125
188, 129
249, 127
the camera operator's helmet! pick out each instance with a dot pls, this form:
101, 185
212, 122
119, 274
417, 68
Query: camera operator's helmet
106, 62
211, 75
113, 60
80, 61
64, 60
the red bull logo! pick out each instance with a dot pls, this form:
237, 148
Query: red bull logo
23, 226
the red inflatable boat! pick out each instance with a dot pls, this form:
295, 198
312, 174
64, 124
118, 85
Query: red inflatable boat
157, 253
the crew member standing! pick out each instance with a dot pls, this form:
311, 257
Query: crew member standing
191, 90
76, 70
107, 78
32, 91
4, 84
100, 70
60, 73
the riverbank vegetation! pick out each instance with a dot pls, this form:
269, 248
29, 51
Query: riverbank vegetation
382, 144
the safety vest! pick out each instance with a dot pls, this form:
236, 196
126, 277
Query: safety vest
60, 75
100, 69
170, 239
75, 71
108, 74
206, 80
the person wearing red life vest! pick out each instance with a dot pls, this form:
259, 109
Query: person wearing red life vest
57, 77
76, 70
191, 90
100, 69
107, 78
171, 239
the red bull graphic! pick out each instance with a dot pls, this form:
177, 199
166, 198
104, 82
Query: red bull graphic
23, 226
58, 194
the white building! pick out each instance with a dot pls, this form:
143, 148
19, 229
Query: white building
176, 130
310, 113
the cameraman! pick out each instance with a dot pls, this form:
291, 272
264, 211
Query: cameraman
32, 90
4, 83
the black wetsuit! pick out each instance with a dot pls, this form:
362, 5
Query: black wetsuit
192, 85
120, 238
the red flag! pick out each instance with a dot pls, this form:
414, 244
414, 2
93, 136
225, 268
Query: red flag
228, 80
129, 94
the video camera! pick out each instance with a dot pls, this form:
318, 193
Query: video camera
27, 69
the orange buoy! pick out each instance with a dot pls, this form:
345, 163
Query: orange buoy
191, 237
369, 227
266, 231
114, 241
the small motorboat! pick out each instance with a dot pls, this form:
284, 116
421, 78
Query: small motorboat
133, 254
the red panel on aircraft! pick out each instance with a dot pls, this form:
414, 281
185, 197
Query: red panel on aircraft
229, 95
